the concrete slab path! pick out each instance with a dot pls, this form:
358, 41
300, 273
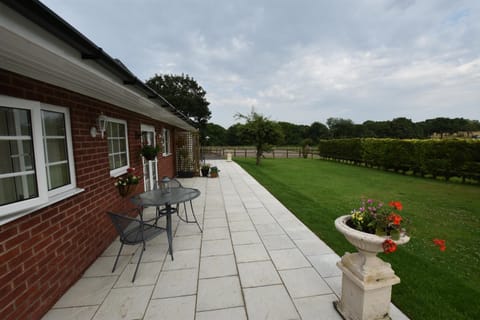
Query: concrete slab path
254, 260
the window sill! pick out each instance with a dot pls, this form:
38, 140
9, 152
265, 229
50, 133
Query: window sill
51, 200
166, 155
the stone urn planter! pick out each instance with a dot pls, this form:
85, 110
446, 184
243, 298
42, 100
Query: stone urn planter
367, 280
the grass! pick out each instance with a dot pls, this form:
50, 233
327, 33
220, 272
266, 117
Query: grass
434, 284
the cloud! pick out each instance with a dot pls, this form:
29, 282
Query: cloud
301, 61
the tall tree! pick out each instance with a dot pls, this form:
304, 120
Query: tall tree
403, 128
317, 131
261, 131
293, 133
217, 135
341, 128
185, 94
233, 135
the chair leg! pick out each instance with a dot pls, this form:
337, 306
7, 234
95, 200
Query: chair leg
195, 217
169, 235
138, 262
118, 255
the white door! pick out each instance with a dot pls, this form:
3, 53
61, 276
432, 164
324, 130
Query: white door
150, 169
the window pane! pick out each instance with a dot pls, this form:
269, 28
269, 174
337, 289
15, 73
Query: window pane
56, 150
111, 163
15, 122
118, 164
16, 151
55, 146
122, 145
54, 123
121, 130
114, 129
110, 145
59, 175
123, 159
6, 159
117, 145
16, 189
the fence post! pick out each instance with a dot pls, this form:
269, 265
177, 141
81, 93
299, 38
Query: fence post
287, 153
245, 153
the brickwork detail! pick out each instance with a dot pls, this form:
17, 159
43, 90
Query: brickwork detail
44, 253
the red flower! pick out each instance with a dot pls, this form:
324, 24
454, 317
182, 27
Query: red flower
389, 246
396, 204
395, 218
130, 170
440, 243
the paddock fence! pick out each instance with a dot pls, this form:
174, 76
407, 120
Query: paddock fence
217, 152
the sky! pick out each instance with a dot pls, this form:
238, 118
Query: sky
300, 61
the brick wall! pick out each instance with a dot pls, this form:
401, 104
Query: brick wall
44, 253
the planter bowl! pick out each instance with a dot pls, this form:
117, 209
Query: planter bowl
364, 241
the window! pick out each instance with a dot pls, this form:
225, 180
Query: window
166, 142
55, 148
36, 158
117, 146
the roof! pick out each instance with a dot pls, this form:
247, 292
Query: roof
48, 20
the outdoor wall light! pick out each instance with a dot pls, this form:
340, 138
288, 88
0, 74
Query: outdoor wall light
102, 126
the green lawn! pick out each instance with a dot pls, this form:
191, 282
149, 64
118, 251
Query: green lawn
435, 285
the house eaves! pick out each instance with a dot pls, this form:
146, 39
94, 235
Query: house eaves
126, 89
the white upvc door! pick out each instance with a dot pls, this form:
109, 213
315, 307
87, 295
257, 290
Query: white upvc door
150, 169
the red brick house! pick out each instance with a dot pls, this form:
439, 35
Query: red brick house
72, 120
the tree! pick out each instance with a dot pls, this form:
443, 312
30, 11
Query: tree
233, 134
260, 131
403, 128
185, 94
341, 128
217, 135
293, 133
317, 131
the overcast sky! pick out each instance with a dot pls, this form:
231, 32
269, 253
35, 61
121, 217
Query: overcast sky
300, 61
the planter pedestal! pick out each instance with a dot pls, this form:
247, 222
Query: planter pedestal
366, 280
366, 291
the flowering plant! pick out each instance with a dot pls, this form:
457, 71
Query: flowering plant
129, 179
377, 218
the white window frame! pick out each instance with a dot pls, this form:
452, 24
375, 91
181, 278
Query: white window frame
166, 142
17, 209
68, 140
121, 170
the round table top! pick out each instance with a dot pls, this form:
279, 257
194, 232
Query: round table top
161, 197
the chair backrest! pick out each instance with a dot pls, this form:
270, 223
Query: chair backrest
129, 229
174, 183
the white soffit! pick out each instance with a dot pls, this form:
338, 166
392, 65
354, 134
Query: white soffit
31, 51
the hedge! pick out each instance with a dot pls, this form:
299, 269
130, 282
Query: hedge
436, 158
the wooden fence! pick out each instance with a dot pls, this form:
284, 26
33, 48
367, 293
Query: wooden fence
250, 152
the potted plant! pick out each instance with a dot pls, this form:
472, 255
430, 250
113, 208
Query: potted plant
205, 168
149, 152
214, 172
127, 184
367, 280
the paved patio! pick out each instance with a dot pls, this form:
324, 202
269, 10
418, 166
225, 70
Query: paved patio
254, 260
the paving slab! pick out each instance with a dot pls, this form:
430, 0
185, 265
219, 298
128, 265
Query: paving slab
254, 260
